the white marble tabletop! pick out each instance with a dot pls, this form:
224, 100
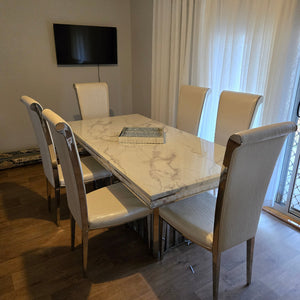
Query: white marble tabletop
157, 173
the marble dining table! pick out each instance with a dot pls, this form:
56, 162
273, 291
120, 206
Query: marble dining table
157, 174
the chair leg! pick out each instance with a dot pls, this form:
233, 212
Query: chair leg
48, 194
167, 236
216, 274
85, 240
72, 232
155, 229
215, 192
161, 236
57, 205
149, 229
95, 185
176, 237
163, 233
250, 250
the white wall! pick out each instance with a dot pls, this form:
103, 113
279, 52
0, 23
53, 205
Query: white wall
28, 62
141, 24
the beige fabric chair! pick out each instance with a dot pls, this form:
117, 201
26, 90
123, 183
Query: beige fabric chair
105, 207
92, 170
93, 99
190, 105
232, 218
236, 112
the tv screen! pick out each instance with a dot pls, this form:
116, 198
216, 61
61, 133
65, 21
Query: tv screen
79, 44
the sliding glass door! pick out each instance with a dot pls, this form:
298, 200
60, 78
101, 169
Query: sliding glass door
288, 195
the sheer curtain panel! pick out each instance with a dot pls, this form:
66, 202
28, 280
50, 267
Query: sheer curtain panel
249, 46
171, 48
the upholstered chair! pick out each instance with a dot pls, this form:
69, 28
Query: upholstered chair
190, 104
92, 170
218, 224
93, 99
236, 112
106, 207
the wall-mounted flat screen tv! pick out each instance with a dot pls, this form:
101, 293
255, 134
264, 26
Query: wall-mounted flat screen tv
79, 44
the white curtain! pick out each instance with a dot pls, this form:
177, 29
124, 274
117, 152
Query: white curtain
241, 45
172, 41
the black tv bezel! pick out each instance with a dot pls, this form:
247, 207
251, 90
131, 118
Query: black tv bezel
63, 61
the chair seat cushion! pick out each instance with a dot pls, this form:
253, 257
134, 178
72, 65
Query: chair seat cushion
193, 217
114, 205
91, 170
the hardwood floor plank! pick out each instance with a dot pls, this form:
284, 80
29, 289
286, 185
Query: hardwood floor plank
36, 261
6, 284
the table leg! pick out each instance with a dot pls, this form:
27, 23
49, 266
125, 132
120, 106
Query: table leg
155, 245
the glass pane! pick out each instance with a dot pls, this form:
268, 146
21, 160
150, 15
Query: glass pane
282, 198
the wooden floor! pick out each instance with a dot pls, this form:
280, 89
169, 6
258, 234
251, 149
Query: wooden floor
36, 261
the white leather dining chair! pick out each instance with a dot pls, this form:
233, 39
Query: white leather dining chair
93, 99
218, 224
191, 101
236, 112
190, 105
92, 170
106, 207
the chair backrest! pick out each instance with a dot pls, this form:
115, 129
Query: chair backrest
67, 151
43, 136
236, 112
93, 99
247, 168
190, 105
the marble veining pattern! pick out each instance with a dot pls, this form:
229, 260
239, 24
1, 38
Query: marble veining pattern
157, 173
